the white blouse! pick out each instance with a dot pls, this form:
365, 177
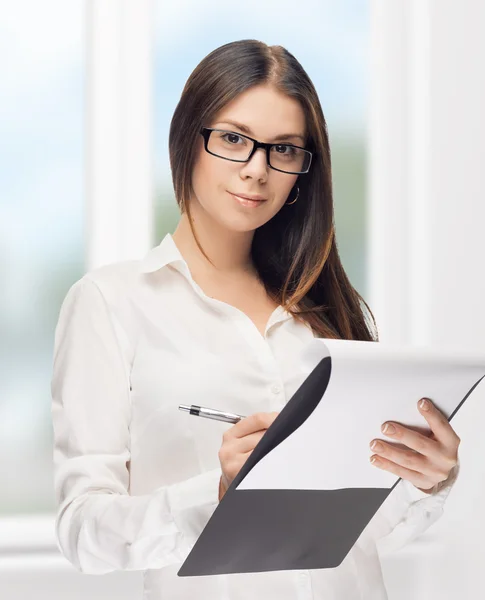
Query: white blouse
136, 479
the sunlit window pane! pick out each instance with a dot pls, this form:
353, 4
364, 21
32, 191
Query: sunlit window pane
41, 228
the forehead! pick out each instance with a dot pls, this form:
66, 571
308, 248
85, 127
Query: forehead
266, 111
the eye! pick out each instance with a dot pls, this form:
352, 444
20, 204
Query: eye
232, 138
280, 149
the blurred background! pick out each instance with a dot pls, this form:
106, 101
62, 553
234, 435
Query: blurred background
87, 92
43, 152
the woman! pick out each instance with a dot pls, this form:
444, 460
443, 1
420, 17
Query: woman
217, 315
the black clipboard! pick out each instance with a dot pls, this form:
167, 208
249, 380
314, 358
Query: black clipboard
258, 530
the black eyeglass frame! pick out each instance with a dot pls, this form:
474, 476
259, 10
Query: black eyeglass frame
206, 132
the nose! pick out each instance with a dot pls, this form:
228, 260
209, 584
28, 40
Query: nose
257, 167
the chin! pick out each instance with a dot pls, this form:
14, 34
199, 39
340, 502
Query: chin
241, 225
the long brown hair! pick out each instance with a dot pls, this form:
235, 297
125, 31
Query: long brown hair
295, 252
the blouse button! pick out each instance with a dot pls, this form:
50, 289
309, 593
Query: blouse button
276, 389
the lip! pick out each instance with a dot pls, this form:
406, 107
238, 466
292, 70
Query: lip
246, 202
250, 197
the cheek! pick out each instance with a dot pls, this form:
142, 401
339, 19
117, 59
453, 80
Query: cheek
208, 175
286, 187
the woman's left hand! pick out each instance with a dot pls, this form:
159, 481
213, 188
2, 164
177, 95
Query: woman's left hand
427, 460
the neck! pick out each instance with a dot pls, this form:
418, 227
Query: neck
229, 251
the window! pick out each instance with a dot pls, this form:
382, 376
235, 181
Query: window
41, 229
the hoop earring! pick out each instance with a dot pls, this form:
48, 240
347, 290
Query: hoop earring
293, 201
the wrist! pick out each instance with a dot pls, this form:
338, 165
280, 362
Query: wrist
222, 487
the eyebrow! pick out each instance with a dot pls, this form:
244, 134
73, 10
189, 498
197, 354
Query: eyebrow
246, 129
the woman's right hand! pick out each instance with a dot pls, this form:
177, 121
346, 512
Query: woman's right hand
237, 444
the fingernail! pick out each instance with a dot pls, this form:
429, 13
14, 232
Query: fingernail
424, 404
388, 428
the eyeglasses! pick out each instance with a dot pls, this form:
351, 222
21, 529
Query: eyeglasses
229, 145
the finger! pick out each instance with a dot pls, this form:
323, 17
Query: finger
249, 442
404, 457
419, 480
442, 455
413, 440
439, 424
255, 422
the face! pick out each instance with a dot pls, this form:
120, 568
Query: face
268, 114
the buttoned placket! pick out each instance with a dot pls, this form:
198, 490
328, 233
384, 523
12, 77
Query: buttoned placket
261, 346
252, 335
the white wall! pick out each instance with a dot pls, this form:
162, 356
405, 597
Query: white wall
427, 132
50, 577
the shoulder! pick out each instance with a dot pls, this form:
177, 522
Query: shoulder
113, 287
108, 293
114, 281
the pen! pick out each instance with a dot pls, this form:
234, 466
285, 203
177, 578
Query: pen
211, 413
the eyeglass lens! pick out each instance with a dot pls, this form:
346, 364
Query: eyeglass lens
232, 146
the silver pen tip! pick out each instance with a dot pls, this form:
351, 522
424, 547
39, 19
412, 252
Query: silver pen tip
184, 407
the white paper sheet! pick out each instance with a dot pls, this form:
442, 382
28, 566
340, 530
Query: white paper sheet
370, 383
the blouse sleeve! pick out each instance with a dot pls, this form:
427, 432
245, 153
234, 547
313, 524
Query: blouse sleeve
99, 526
408, 512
